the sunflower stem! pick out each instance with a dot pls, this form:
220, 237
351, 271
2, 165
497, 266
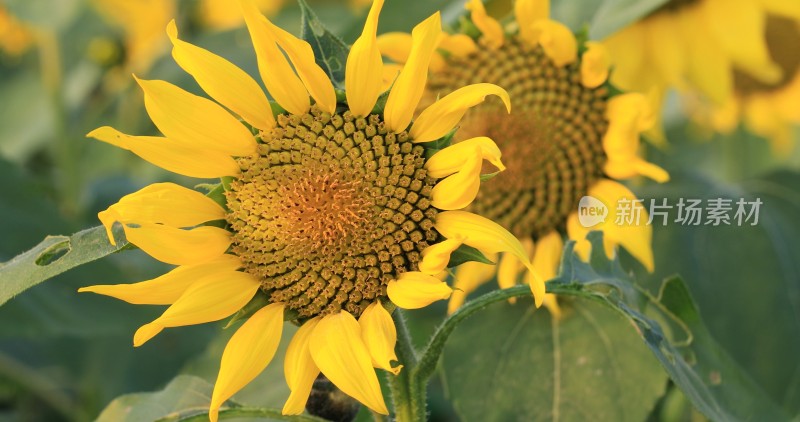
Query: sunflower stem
409, 399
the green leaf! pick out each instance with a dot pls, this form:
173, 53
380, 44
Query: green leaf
181, 394
589, 365
53, 256
466, 253
329, 50
614, 15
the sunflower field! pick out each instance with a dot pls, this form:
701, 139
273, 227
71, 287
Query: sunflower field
386, 210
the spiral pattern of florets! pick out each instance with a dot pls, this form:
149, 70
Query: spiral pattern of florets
329, 210
551, 143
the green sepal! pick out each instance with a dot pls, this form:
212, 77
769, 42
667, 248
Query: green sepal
466, 253
258, 301
489, 176
435, 146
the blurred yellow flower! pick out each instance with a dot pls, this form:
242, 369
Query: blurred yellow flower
694, 46
566, 135
224, 14
332, 210
15, 37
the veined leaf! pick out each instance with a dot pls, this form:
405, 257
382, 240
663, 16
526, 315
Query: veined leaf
330, 51
53, 256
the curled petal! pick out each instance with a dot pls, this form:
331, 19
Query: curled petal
276, 72
299, 368
166, 289
340, 353
379, 335
443, 115
628, 115
195, 121
453, 158
410, 84
247, 353
489, 27
556, 39
222, 80
436, 256
165, 203
170, 155
362, 78
176, 246
594, 65
460, 189
414, 290
210, 298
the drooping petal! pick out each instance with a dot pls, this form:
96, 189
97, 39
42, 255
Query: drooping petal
409, 86
299, 368
436, 256
379, 335
224, 81
489, 27
708, 66
443, 115
556, 40
528, 11
195, 121
362, 78
594, 65
170, 155
176, 246
276, 72
457, 45
340, 353
628, 115
247, 353
628, 50
468, 277
669, 57
546, 259
165, 203
508, 270
460, 189
166, 289
210, 298
302, 57
453, 158
414, 290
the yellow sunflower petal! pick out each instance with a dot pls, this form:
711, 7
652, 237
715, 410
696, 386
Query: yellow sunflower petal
457, 45
782, 7
556, 40
362, 78
628, 50
390, 72
546, 259
176, 246
170, 155
410, 84
195, 121
459, 190
453, 158
247, 353
340, 353
527, 11
739, 26
468, 277
628, 115
276, 72
414, 290
395, 45
165, 203
508, 269
443, 115
166, 289
669, 55
379, 335
489, 27
576, 232
299, 368
436, 256
708, 66
302, 57
224, 81
210, 298
594, 65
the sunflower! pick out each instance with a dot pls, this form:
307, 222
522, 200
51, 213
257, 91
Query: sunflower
767, 109
694, 46
337, 211
566, 137
15, 37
